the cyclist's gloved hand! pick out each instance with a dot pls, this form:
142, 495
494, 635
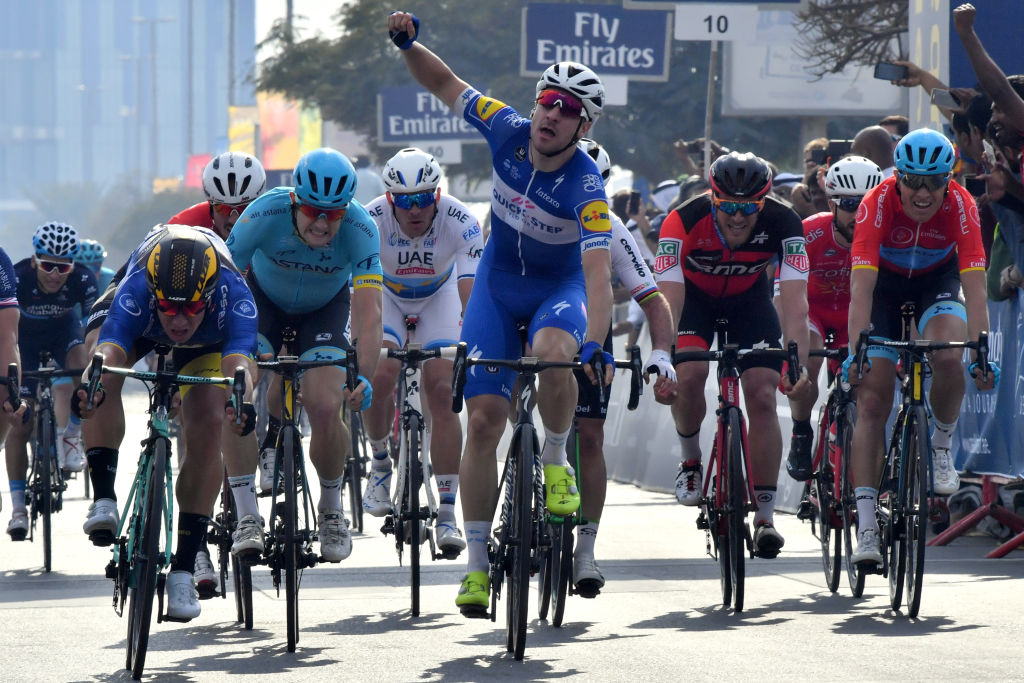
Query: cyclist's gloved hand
77, 402
974, 370
660, 363
590, 351
248, 416
848, 363
367, 392
401, 38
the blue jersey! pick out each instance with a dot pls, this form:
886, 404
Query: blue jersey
230, 319
105, 277
8, 282
541, 221
298, 278
42, 311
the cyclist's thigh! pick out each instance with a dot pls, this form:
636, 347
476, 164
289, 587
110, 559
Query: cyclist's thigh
564, 308
201, 361
440, 318
823, 321
753, 322
941, 312
392, 316
321, 333
697, 322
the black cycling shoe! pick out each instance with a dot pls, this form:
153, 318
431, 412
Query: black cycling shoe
767, 541
800, 464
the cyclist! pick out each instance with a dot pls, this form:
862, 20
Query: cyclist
9, 316
301, 244
91, 254
50, 285
828, 236
430, 245
917, 239
180, 289
631, 269
711, 260
546, 263
231, 180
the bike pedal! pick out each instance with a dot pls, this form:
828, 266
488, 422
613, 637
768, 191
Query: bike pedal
448, 554
474, 612
805, 511
110, 571
588, 588
702, 521
101, 539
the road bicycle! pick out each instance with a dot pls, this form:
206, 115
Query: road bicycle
146, 524
355, 466
727, 494
902, 506
517, 550
219, 534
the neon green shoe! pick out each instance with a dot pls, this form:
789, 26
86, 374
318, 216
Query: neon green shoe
474, 595
562, 496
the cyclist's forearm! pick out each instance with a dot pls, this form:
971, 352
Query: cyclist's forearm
597, 271
975, 301
229, 363
862, 288
793, 295
367, 334
659, 319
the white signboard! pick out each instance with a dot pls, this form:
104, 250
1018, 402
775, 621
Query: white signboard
715, 21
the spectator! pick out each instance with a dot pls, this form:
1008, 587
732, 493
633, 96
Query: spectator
875, 143
783, 183
897, 125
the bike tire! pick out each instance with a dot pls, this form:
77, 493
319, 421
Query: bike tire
562, 540
737, 509
291, 539
242, 576
714, 506
545, 572
829, 535
895, 532
47, 473
915, 504
354, 473
145, 563
522, 532
412, 494
848, 499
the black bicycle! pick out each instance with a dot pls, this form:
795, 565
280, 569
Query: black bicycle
219, 534
355, 466
518, 550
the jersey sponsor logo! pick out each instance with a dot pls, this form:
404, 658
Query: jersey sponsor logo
306, 267
796, 256
371, 261
813, 235
759, 238
459, 215
520, 153
879, 205
245, 309
471, 232
560, 306
731, 268
372, 280
558, 181
487, 107
637, 263
594, 217
323, 336
395, 240
547, 197
592, 182
667, 256
129, 305
511, 169
901, 235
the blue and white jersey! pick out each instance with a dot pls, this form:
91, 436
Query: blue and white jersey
541, 222
298, 278
8, 282
415, 268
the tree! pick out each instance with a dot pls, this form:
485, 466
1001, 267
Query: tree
840, 33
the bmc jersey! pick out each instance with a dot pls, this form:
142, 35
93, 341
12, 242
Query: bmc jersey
828, 281
693, 250
197, 215
887, 238
296, 277
629, 266
540, 221
417, 268
8, 282
39, 309
230, 318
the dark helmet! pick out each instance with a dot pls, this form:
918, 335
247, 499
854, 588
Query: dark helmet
741, 175
182, 266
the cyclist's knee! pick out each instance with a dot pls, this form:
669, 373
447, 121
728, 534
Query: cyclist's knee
947, 363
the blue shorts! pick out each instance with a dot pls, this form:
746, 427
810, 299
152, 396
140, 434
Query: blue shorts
499, 302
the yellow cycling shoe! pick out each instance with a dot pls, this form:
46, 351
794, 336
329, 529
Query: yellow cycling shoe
474, 595
562, 496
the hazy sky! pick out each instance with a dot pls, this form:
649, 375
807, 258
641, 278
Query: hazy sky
317, 12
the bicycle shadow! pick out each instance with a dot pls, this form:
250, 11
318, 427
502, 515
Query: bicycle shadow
887, 623
274, 659
168, 637
541, 634
385, 622
712, 618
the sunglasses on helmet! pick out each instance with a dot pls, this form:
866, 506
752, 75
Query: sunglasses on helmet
51, 266
733, 208
227, 210
847, 203
420, 199
569, 104
931, 183
172, 308
316, 213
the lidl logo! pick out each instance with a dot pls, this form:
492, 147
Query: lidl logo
487, 107
594, 216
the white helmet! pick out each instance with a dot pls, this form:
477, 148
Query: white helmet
234, 178
55, 239
852, 177
598, 154
411, 170
575, 79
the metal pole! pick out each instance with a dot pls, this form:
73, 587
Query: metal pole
231, 54
154, 136
190, 79
709, 107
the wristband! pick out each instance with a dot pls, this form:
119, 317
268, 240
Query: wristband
402, 39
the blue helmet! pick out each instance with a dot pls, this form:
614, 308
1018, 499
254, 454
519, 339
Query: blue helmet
90, 253
924, 152
325, 178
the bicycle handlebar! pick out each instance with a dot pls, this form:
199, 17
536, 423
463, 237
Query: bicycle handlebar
416, 354
238, 392
919, 347
731, 354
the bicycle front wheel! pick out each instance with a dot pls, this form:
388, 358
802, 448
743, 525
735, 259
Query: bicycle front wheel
354, 472
145, 562
522, 512
46, 459
892, 513
413, 477
290, 518
847, 498
736, 508
915, 505
822, 486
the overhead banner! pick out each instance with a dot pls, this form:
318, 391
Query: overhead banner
408, 113
279, 131
194, 170
242, 123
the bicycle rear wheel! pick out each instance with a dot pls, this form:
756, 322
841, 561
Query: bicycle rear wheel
46, 459
847, 498
242, 575
291, 540
522, 512
413, 476
736, 509
145, 562
354, 472
714, 507
822, 486
561, 568
895, 531
915, 503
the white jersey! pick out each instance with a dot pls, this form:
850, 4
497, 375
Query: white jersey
628, 264
417, 268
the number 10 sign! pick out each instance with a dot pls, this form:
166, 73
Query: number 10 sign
715, 21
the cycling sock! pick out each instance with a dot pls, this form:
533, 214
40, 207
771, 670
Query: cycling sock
802, 427
74, 428
691, 445
477, 534
381, 461
765, 498
866, 496
587, 534
447, 489
191, 536
102, 471
942, 435
243, 492
273, 427
553, 452
18, 493
330, 494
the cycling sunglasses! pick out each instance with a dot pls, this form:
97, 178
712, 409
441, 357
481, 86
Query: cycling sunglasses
570, 105
172, 308
930, 182
420, 199
227, 209
733, 208
316, 213
51, 266
847, 203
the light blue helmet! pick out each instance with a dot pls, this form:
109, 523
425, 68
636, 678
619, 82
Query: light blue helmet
55, 239
90, 253
325, 178
924, 152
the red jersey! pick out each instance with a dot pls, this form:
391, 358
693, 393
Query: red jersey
885, 237
828, 281
198, 215
692, 249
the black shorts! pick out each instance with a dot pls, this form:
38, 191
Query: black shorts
752, 320
61, 336
320, 334
589, 403
939, 288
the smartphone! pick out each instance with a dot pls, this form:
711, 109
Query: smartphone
634, 203
887, 71
819, 156
837, 149
944, 98
974, 185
